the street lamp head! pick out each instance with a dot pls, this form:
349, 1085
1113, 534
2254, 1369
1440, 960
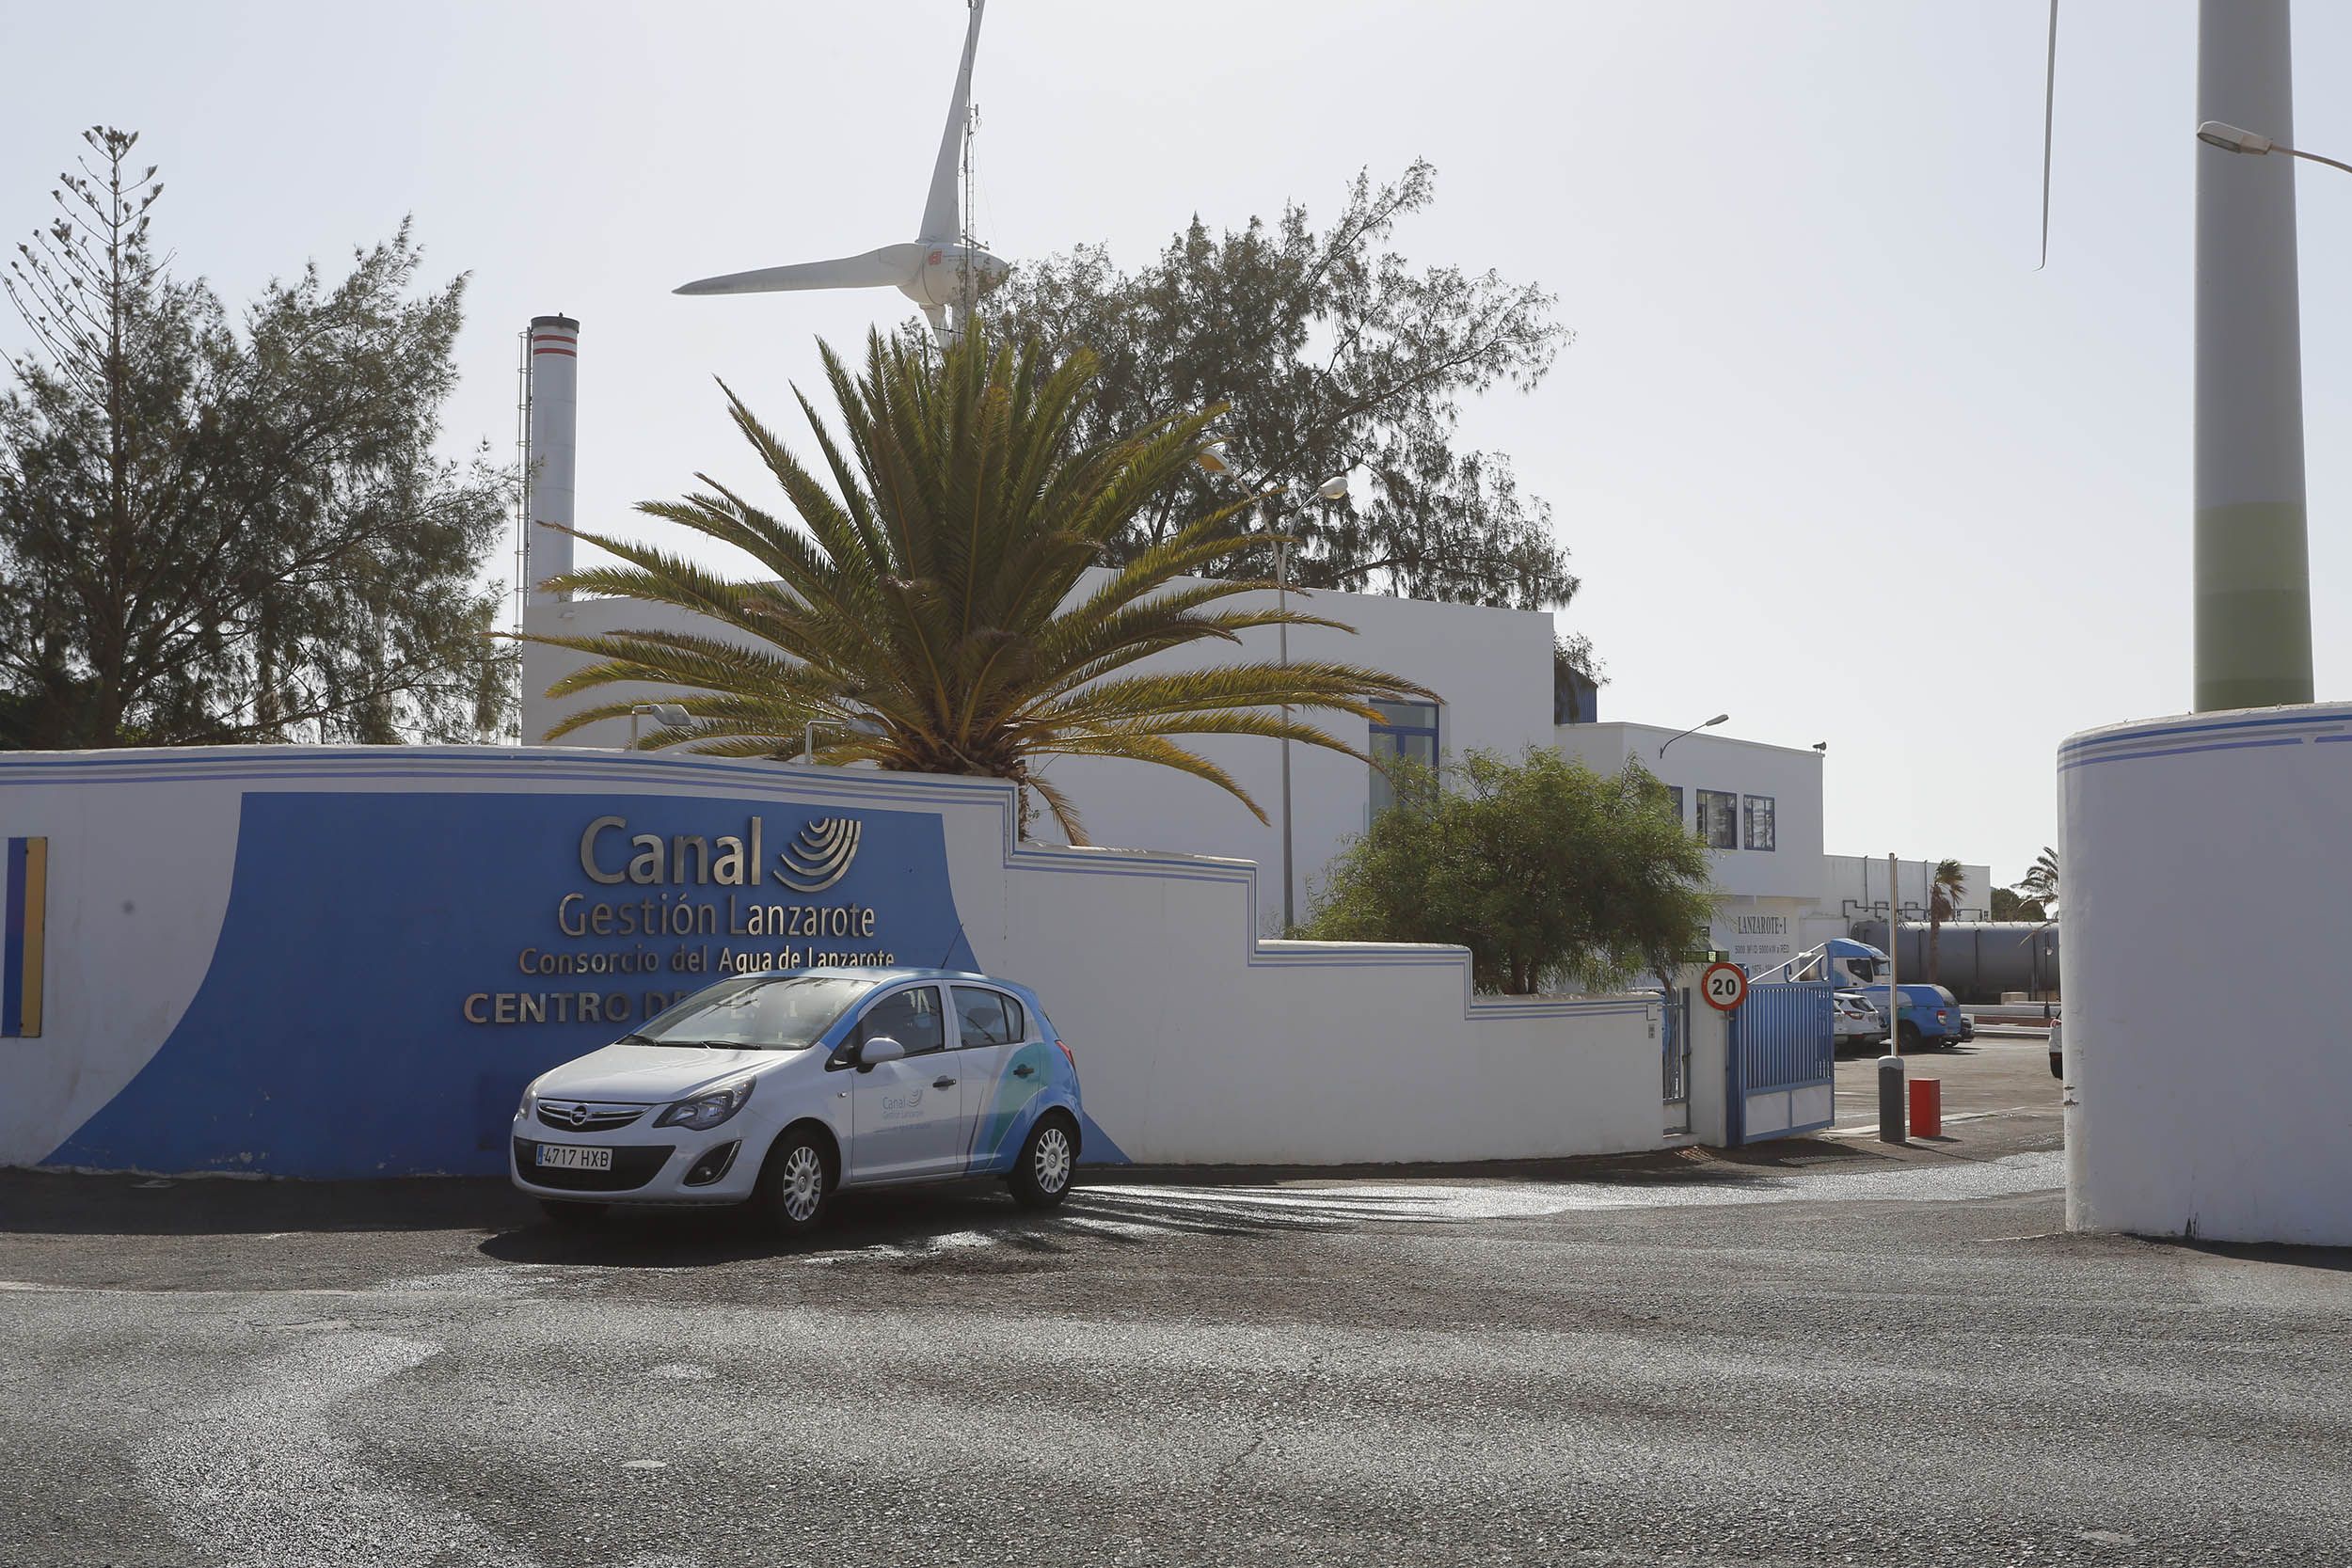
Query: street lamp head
2229, 138
1334, 488
1214, 458
670, 714
1719, 718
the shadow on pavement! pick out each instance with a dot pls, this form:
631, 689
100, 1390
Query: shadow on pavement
2334, 1257
1122, 1204
58, 1203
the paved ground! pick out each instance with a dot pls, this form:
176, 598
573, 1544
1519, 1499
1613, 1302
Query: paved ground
1826, 1352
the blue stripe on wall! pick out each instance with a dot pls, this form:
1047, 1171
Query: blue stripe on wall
12, 946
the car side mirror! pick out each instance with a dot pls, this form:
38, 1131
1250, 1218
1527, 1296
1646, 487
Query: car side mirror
881, 1048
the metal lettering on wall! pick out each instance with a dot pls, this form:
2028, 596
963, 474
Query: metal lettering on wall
668, 927
392, 968
1749, 937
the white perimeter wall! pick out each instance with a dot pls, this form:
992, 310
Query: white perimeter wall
1197, 1041
2209, 1080
1492, 670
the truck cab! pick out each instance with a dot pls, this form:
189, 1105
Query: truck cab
1927, 1015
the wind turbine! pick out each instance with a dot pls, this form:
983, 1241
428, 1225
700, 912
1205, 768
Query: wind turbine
939, 269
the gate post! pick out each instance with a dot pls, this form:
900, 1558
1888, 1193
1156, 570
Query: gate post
1708, 1081
1735, 1087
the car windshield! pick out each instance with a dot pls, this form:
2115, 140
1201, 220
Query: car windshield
778, 1012
1865, 970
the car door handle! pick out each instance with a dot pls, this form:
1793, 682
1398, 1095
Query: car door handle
943, 1082
1023, 1070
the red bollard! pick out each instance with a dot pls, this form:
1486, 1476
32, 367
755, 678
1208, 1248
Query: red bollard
1927, 1107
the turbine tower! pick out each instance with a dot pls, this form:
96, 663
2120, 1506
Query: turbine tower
940, 269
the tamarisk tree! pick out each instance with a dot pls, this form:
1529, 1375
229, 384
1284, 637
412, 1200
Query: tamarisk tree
218, 532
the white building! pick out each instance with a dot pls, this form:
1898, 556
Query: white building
1757, 806
1759, 810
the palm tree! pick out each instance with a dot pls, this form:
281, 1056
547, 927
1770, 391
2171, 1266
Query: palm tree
1944, 889
2041, 880
2009, 904
934, 597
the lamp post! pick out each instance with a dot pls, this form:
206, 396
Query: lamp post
2231, 139
668, 714
1708, 724
1216, 459
847, 726
1332, 489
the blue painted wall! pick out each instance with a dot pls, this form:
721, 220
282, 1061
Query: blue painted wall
350, 1023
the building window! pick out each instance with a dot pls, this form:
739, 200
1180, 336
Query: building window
1674, 792
1759, 813
1405, 730
1718, 820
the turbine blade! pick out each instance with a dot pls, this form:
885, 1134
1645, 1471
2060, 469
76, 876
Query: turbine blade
940, 211
2049, 127
892, 266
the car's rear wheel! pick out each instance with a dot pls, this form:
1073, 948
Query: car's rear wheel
571, 1211
796, 1182
1048, 1164
1909, 1037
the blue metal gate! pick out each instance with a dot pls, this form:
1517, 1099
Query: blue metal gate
1676, 1037
1780, 1063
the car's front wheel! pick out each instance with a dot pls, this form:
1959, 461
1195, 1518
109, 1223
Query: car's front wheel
796, 1182
1042, 1177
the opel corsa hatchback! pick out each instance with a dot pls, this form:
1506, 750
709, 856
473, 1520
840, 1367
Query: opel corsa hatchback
780, 1089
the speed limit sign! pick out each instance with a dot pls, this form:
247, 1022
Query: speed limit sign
1724, 986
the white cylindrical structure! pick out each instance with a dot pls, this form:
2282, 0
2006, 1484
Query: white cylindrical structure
554, 438
2209, 1088
2253, 604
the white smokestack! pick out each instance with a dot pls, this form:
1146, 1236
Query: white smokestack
554, 438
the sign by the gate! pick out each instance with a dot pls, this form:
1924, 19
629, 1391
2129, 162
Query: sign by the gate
1724, 986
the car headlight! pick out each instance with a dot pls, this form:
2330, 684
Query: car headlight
707, 1110
531, 1100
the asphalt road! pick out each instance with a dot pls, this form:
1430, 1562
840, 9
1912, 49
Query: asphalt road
1826, 1350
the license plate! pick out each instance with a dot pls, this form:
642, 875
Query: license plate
574, 1157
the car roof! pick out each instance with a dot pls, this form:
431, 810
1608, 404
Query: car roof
893, 976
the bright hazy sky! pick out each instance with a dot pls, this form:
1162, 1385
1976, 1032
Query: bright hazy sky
1829, 453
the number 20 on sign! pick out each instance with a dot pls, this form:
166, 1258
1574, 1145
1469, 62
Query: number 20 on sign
1724, 986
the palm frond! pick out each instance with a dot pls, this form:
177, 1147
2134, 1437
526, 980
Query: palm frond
930, 577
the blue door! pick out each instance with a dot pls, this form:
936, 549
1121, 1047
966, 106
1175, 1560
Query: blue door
1781, 1063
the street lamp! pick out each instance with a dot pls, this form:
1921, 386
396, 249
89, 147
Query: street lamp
1217, 459
2229, 138
847, 726
1332, 489
1719, 718
669, 715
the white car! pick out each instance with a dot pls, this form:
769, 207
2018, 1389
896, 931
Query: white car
780, 1089
1856, 1019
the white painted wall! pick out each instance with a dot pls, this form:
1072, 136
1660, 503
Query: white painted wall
2209, 1083
1197, 1042
1492, 670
